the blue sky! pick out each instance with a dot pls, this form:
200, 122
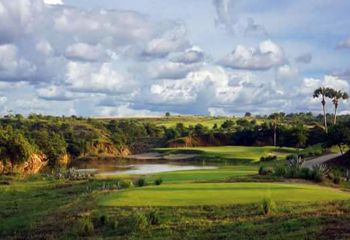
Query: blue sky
146, 57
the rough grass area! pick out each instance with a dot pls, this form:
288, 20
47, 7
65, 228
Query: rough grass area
44, 208
220, 194
232, 153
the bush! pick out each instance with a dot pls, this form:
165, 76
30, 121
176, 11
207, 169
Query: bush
84, 227
158, 181
280, 171
268, 206
133, 223
124, 184
153, 218
264, 170
319, 172
141, 182
336, 177
305, 173
268, 158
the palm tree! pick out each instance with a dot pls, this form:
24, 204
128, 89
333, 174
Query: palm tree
276, 118
336, 96
323, 93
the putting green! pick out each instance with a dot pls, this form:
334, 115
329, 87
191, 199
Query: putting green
220, 194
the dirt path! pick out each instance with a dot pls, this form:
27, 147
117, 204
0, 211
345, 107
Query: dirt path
319, 160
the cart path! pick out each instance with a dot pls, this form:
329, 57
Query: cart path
319, 160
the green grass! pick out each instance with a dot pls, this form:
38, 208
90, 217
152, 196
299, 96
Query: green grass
219, 174
232, 153
220, 194
189, 120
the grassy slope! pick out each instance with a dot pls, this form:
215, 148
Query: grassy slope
232, 153
220, 193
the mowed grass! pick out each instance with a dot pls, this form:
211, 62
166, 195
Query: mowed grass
220, 194
189, 120
219, 174
248, 154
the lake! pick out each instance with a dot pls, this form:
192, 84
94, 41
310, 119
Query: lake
127, 167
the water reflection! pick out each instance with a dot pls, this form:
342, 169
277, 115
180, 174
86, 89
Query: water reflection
115, 166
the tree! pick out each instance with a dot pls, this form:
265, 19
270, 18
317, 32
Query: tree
276, 118
323, 93
50, 143
247, 114
300, 134
167, 114
338, 135
336, 96
14, 147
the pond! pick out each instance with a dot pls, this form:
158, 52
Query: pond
126, 167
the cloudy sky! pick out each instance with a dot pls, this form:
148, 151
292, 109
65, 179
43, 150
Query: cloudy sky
146, 57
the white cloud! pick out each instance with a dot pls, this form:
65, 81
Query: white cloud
267, 55
192, 55
172, 41
53, 2
55, 93
86, 52
97, 78
13, 67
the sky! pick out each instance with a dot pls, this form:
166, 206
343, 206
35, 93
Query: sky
148, 57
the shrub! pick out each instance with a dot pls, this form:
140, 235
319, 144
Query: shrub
158, 181
124, 184
268, 206
319, 172
84, 227
264, 170
268, 158
133, 223
153, 218
305, 173
280, 171
141, 182
336, 177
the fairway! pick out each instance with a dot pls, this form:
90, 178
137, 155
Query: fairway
218, 174
232, 152
220, 194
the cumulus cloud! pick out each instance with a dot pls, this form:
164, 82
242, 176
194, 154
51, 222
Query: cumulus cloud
171, 41
310, 84
53, 2
305, 58
229, 19
192, 55
55, 93
267, 55
12, 66
97, 78
18, 18
86, 52
344, 44
170, 70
